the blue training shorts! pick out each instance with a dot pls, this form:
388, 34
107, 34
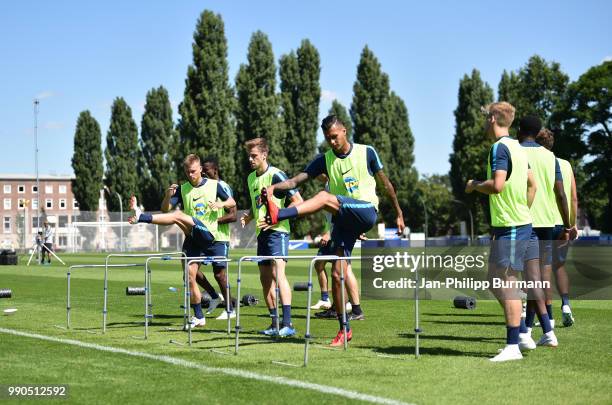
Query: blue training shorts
512, 246
354, 218
272, 243
545, 237
214, 249
560, 247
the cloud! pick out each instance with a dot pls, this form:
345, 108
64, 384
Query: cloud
45, 94
328, 96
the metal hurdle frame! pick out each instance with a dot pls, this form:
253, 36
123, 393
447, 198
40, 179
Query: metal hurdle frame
187, 292
87, 266
106, 267
277, 290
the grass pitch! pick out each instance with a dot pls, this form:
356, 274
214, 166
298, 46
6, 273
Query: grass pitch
379, 366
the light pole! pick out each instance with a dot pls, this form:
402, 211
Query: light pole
36, 104
417, 327
471, 220
120, 217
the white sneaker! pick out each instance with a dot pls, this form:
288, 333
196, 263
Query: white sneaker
548, 339
223, 315
322, 304
349, 307
526, 342
510, 352
214, 303
568, 318
196, 322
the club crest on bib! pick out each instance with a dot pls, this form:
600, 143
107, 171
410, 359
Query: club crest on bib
200, 209
351, 184
258, 202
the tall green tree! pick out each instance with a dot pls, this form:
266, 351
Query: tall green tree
206, 126
471, 145
435, 190
87, 162
590, 110
338, 110
257, 112
371, 107
300, 97
157, 141
122, 155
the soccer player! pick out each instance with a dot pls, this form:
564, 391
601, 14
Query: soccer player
549, 203
48, 232
201, 200
353, 170
273, 241
511, 188
546, 139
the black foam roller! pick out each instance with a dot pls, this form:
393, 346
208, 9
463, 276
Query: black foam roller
6, 293
464, 302
134, 291
301, 286
249, 300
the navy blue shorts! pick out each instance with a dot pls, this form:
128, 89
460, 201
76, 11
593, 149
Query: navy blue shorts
326, 250
545, 237
200, 233
193, 247
512, 246
272, 243
354, 218
560, 247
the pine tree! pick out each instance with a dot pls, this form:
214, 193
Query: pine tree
471, 144
206, 126
122, 155
87, 162
257, 113
157, 140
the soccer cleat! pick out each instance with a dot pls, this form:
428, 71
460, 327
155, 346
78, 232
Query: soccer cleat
197, 322
548, 339
271, 208
137, 211
287, 331
223, 315
568, 318
339, 339
354, 317
270, 331
510, 352
328, 314
322, 304
213, 304
526, 342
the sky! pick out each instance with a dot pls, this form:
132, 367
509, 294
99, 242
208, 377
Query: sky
75, 56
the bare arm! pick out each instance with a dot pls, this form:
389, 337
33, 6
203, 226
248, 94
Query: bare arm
491, 186
295, 199
382, 177
532, 187
230, 216
562, 203
288, 184
165, 205
574, 203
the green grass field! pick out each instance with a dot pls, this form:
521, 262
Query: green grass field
378, 367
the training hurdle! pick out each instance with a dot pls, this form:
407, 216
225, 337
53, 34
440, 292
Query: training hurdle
257, 259
125, 255
87, 266
187, 293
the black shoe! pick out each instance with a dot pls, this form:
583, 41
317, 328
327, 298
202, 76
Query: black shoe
329, 314
354, 317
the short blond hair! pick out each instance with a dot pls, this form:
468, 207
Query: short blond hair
260, 143
503, 113
190, 159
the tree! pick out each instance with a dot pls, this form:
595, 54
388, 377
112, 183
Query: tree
87, 162
590, 110
206, 126
370, 110
300, 97
122, 155
436, 192
257, 112
157, 141
471, 144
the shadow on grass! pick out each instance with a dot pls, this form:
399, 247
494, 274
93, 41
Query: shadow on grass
428, 351
452, 338
460, 322
463, 314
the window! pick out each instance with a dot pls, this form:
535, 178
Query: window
34, 203
49, 189
62, 240
49, 203
21, 203
62, 189
62, 221
7, 189
62, 203
21, 189
35, 222
7, 224
7, 203
75, 204
34, 189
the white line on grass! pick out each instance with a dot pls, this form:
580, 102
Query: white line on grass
207, 369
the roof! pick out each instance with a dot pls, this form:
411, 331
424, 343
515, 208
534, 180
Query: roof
47, 177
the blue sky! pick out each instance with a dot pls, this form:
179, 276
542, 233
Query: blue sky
75, 56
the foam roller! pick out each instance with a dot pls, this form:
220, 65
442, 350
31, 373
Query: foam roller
249, 300
134, 291
6, 293
464, 302
302, 286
